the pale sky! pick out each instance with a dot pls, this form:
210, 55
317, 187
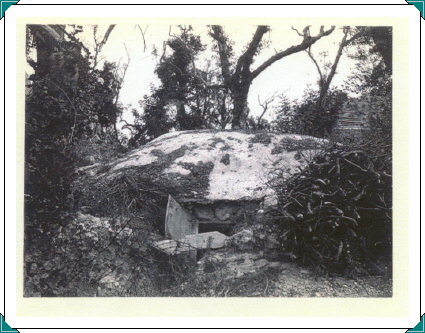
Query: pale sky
290, 75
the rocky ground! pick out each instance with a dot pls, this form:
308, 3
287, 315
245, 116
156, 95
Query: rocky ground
296, 282
225, 274
279, 280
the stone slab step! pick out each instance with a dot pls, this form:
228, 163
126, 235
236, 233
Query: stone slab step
206, 240
172, 247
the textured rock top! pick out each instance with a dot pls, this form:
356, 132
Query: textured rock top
220, 165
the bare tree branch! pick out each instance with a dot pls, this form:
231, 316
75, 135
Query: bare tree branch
99, 45
265, 104
164, 49
299, 33
123, 74
307, 42
267, 101
326, 79
106, 36
321, 76
143, 36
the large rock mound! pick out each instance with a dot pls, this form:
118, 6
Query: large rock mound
214, 166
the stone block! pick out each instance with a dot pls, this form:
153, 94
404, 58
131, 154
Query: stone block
224, 211
178, 222
172, 247
203, 212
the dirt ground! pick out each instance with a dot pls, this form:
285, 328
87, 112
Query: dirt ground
281, 279
293, 281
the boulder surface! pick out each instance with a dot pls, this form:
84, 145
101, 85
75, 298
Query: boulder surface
210, 165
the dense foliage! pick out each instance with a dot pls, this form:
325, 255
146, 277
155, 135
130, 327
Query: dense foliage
336, 215
95, 257
69, 107
305, 117
182, 101
67, 102
372, 80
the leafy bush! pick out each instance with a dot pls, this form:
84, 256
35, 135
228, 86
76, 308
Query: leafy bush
67, 103
306, 117
69, 106
92, 256
335, 215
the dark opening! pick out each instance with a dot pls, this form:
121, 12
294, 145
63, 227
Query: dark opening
224, 228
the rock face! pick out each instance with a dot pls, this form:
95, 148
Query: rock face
209, 166
251, 238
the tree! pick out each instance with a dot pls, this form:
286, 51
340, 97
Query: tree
99, 44
380, 41
66, 96
304, 117
178, 86
177, 101
182, 101
318, 111
259, 123
372, 79
238, 77
327, 74
191, 98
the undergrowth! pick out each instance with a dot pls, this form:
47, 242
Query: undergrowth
336, 214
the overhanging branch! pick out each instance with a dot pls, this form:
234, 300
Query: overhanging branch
246, 58
306, 43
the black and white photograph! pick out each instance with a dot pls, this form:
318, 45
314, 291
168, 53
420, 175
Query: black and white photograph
208, 158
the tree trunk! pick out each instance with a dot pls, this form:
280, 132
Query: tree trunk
181, 116
322, 96
240, 107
